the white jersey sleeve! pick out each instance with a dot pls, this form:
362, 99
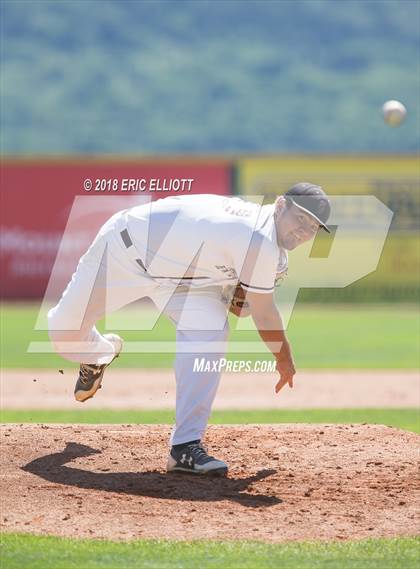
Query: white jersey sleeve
258, 273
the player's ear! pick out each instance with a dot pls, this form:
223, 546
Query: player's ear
280, 204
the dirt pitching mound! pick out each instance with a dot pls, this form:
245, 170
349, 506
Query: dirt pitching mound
286, 482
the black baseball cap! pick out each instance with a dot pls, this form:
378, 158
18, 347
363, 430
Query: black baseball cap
312, 199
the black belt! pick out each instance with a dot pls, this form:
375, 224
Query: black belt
129, 243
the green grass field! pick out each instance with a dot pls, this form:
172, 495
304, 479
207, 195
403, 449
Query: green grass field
322, 336
25, 551
408, 419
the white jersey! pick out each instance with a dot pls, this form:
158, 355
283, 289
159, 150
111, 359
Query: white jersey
207, 240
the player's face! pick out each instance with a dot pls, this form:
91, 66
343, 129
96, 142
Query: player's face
295, 227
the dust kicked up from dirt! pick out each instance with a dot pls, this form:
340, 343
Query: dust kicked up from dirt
286, 482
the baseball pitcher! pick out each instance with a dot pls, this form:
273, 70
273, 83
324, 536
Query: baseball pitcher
196, 257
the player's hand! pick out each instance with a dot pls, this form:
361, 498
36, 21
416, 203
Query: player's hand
286, 368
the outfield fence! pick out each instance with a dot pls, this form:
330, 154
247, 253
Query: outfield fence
37, 195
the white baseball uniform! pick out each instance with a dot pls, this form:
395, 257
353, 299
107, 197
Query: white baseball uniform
180, 251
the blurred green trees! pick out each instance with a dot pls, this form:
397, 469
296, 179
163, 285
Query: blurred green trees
200, 76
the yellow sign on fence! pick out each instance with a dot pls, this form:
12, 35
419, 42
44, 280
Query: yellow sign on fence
392, 179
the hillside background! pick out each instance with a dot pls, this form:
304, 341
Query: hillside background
157, 77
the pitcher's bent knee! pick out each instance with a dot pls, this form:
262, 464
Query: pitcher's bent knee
58, 335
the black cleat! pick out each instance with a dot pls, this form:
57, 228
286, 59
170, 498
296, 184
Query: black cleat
90, 375
193, 458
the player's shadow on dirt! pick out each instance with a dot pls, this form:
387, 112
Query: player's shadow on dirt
174, 486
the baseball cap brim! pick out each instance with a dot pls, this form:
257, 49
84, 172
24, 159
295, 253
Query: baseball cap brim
321, 223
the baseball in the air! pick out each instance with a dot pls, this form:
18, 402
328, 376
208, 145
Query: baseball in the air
394, 112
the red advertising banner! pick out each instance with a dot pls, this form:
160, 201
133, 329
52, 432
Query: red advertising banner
37, 197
